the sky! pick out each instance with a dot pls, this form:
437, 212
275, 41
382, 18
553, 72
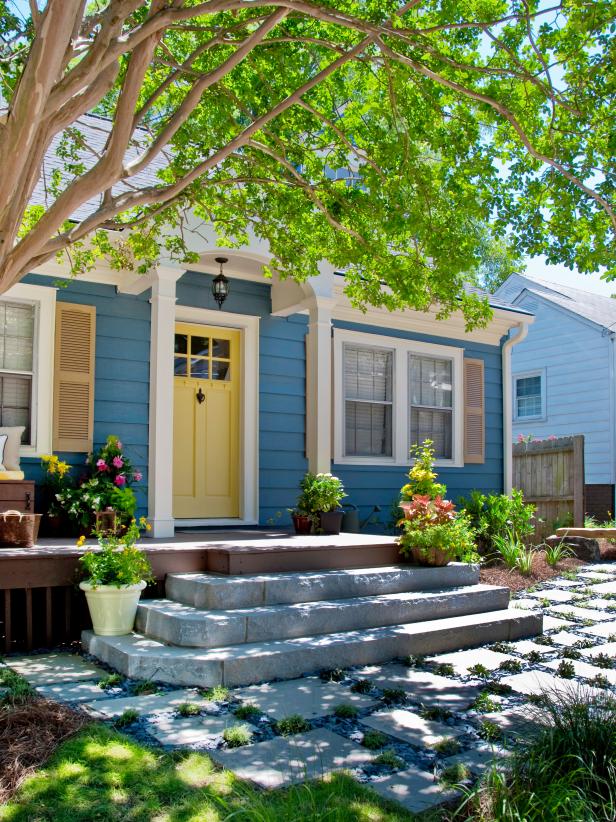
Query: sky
537, 267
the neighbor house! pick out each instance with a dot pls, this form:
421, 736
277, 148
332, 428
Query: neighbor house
223, 411
564, 376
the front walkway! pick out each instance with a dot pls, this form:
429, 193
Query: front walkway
404, 728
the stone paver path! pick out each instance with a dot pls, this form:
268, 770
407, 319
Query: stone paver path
421, 711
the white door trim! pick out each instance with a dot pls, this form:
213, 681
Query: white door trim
249, 408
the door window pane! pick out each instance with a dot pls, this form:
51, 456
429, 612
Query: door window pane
199, 368
181, 344
180, 366
221, 370
221, 348
200, 346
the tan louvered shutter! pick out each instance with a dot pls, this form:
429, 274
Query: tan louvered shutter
73, 394
474, 416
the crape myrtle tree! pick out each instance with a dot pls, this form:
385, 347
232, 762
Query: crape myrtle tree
380, 135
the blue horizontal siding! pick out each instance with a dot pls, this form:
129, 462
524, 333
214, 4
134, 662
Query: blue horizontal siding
368, 485
122, 368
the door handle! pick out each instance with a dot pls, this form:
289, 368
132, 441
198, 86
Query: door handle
200, 396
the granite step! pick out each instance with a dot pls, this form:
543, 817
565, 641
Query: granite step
250, 590
141, 657
183, 625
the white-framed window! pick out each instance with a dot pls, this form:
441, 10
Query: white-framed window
27, 323
529, 395
390, 393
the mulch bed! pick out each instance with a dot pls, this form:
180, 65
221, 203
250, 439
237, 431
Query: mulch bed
29, 734
498, 574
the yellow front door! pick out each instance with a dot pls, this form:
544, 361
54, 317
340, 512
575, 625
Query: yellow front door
206, 422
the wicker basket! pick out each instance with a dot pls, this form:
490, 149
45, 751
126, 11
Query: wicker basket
18, 529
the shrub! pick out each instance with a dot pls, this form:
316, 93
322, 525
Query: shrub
373, 740
603, 661
456, 773
484, 704
557, 553
237, 735
18, 690
444, 669
511, 666
501, 647
534, 656
293, 724
447, 747
393, 695
435, 713
494, 515
572, 653
480, 671
345, 711
567, 772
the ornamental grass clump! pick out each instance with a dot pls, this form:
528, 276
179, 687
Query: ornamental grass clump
433, 532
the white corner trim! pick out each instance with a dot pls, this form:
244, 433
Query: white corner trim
249, 408
507, 405
401, 349
44, 300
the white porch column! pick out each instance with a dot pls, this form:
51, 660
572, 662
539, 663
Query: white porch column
160, 472
319, 384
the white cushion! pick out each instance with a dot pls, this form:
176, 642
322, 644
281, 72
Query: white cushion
12, 445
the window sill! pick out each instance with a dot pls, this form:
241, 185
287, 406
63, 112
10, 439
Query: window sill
391, 463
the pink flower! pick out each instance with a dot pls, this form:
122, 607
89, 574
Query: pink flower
118, 462
137, 476
118, 444
536, 440
520, 437
120, 479
552, 437
102, 465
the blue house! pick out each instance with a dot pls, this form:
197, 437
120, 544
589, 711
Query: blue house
223, 410
564, 376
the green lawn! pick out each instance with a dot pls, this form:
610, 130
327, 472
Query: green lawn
101, 774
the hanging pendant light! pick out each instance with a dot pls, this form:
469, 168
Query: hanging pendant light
220, 285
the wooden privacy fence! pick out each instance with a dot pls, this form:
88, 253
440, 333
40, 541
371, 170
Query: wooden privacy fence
551, 475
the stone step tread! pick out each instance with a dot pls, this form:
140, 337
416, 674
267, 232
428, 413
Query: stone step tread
185, 625
249, 590
180, 610
141, 657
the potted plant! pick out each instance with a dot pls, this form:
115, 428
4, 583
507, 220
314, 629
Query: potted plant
320, 498
302, 521
433, 532
116, 575
57, 480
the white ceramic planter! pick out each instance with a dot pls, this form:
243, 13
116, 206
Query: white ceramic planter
112, 609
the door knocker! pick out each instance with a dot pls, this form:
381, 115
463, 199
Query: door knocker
200, 396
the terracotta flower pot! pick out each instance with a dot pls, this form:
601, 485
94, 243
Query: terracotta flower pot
330, 521
302, 523
432, 557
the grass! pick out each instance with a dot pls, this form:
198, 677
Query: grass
345, 711
189, 709
603, 661
435, 713
145, 688
99, 774
484, 703
246, 711
533, 656
18, 692
572, 653
480, 671
444, 669
237, 735
501, 647
511, 666
447, 747
390, 759
293, 724
524, 563
333, 675
566, 773
393, 696
456, 773
362, 686
110, 681
566, 669
216, 694
508, 549
129, 716
373, 740
557, 553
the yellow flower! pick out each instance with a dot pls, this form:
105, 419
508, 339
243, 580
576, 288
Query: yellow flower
81, 541
148, 527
